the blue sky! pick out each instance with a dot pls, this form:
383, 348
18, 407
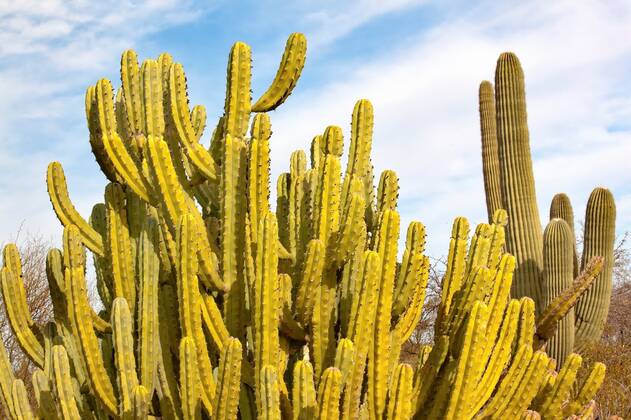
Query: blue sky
419, 62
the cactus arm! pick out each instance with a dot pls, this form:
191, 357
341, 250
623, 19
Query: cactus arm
238, 97
268, 406
551, 405
208, 263
231, 244
289, 327
408, 273
65, 211
45, 407
119, 245
329, 394
258, 170
527, 388
11, 260
266, 298
408, 321
352, 228
345, 357
126, 167
323, 320
558, 267
190, 386
189, 299
490, 158
287, 75
400, 393
79, 313
181, 119
587, 390
526, 327
163, 173
600, 232
561, 305
359, 152
387, 191
378, 363
21, 405
213, 322
6, 380
63, 384
524, 236
96, 138
14, 298
313, 268
148, 273
140, 403
124, 354
455, 270
470, 365
499, 357
561, 208
152, 98
228, 379
130, 78
361, 320
303, 391
510, 381
198, 119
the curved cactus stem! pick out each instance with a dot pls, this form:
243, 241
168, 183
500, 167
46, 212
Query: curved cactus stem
600, 232
148, 337
560, 306
490, 158
119, 245
63, 384
228, 381
238, 97
266, 298
287, 75
213, 323
14, 298
400, 393
560, 391
268, 405
587, 390
410, 318
561, 208
329, 393
124, 355
303, 391
190, 386
21, 405
312, 270
6, 381
558, 267
524, 236
65, 211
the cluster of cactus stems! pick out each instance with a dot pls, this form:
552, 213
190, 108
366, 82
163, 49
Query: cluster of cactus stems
547, 259
215, 306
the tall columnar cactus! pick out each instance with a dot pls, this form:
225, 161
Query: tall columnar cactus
217, 306
541, 273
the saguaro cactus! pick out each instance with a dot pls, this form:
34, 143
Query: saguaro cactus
302, 309
506, 145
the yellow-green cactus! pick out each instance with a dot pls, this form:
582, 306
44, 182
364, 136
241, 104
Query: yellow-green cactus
195, 269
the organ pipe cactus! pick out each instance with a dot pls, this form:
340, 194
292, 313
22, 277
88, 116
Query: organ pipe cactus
546, 263
218, 306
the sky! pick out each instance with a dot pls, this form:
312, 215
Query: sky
419, 62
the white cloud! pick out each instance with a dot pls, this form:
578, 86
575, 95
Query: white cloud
425, 99
50, 50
